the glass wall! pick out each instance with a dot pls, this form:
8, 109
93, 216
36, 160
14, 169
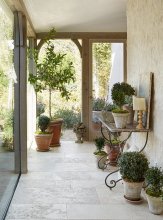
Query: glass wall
8, 178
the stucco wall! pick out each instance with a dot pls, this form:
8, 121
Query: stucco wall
145, 55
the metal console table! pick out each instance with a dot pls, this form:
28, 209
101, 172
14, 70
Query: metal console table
112, 130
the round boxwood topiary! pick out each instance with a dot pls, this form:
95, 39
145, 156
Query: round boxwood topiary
133, 166
43, 122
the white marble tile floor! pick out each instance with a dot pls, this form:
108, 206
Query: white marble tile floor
65, 183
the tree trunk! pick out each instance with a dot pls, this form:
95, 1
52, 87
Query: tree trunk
50, 94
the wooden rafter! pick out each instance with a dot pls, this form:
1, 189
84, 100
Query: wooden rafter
76, 41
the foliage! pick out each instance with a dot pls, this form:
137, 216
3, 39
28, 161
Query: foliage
40, 108
121, 111
99, 142
120, 91
54, 71
154, 179
133, 166
109, 107
43, 122
70, 117
8, 130
102, 67
42, 132
100, 153
98, 104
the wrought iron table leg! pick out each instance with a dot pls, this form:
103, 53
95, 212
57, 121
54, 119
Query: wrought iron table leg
113, 183
145, 143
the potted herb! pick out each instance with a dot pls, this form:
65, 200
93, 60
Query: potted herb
119, 93
107, 112
133, 167
97, 107
54, 72
43, 137
99, 153
154, 191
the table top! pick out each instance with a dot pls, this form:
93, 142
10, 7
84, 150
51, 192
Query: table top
129, 128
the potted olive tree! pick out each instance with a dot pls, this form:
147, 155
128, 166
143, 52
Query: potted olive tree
154, 191
133, 167
43, 137
100, 153
119, 93
54, 72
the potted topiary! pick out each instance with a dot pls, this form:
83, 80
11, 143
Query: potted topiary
42, 137
133, 167
119, 93
154, 191
99, 153
97, 107
54, 72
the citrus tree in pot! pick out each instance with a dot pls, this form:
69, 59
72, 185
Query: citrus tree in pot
100, 153
154, 191
133, 167
43, 137
54, 72
119, 93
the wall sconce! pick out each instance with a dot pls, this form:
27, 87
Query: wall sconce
139, 105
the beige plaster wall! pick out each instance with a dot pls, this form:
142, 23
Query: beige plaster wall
145, 55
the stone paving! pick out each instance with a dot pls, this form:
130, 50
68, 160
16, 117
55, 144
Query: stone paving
65, 183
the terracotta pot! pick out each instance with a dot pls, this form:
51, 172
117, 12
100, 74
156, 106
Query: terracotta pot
113, 153
55, 128
132, 190
43, 141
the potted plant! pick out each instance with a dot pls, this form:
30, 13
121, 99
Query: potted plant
154, 191
113, 149
97, 107
99, 153
107, 112
133, 167
119, 93
54, 72
42, 137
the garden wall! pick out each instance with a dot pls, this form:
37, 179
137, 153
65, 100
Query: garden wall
145, 55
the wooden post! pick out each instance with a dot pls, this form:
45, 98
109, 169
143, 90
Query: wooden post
20, 104
86, 87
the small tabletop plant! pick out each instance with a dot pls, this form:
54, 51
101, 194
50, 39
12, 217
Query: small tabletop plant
98, 104
119, 93
154, 179
133, 166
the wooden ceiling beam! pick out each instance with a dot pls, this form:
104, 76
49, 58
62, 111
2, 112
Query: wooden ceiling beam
85, 35
18, 5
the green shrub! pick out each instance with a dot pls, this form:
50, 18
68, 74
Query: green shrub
70, 117
98, 104
8, 130
133, 166
154, 180
43, 122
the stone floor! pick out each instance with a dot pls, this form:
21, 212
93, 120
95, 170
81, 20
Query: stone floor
65, 183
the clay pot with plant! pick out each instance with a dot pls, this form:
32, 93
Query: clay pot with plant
43, 137
54, 72
119, 93
133, 167
100, 154
154, 191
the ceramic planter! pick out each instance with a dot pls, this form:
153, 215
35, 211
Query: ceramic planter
102, 161
155, 204
120, 119
132, 190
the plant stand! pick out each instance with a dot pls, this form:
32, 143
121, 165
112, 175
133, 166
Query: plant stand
112, 130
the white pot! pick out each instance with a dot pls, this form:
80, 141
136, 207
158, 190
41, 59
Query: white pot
132, 190
102, 161
120, 119
155, 204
